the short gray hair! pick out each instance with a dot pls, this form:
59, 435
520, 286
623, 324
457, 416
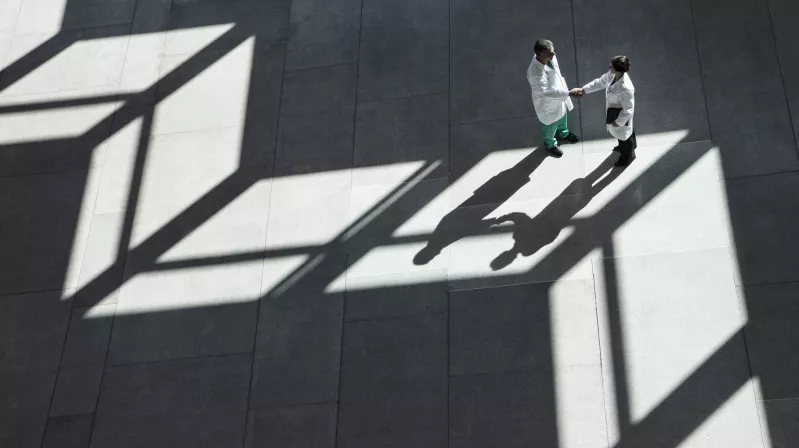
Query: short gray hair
543, 46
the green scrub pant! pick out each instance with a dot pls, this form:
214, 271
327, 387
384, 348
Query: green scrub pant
554, 131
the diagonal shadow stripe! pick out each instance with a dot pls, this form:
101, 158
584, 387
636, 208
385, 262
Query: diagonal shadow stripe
693, 401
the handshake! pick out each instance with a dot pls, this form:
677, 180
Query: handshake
578, 92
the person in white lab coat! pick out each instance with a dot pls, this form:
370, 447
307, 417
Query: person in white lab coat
620, 105
550, 96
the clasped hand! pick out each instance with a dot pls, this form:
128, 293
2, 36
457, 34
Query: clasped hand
578, 92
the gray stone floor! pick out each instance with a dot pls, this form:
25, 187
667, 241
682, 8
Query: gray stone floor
252, 223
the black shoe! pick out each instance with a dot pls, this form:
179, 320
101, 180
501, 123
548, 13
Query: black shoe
555, 150
616, 149
571, 138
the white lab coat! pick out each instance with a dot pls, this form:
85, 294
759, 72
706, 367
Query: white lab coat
621, 94
550, 94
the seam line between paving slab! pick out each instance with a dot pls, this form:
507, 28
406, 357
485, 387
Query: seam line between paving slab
782, 75
115, 93
746, 176
391, 318
518, 283
740, 302
37, 291
667, 252
605, 409
147, 122
13, 30
760, 285
288, 406
318, 67
701, 72
405, 97
54, 33
493, 120
214, 51
181, 359
448, 324
261, 294
72, 307
347, 260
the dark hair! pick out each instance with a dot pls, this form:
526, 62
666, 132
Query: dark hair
621, 64
543, 46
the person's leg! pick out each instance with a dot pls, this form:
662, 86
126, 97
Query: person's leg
563, 128
627, 150
563, 133
548, 133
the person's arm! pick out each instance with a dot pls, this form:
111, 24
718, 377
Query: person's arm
513, 217
598, 84
627, 107
546, 90
541, 87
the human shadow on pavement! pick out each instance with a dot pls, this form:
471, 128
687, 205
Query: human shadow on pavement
494, 192
531, 234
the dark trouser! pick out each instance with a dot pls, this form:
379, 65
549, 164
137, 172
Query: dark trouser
626, 148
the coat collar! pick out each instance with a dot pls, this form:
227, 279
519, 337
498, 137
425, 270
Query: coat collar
619, 84
544, 67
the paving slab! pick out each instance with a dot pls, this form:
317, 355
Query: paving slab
404, 46
33, 329
763, 214
306, 426
508, 409
303, 289
766, 123
323, 33
42, 16
9, 11
316, 114
400, 131
782, 415
670, 199
675, 320
40, 133
83, 361
90, 58
782, 11
103, 266
396, 295
770, 337
191, 403
24, 401
296, 363
195, 25
68, 432
394, 382
309, 209
37, 256
523, 327
191, 329
210, 89
145, 50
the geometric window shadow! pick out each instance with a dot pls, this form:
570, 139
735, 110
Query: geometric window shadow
667, 425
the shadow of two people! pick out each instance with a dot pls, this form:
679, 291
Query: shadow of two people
529, 234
